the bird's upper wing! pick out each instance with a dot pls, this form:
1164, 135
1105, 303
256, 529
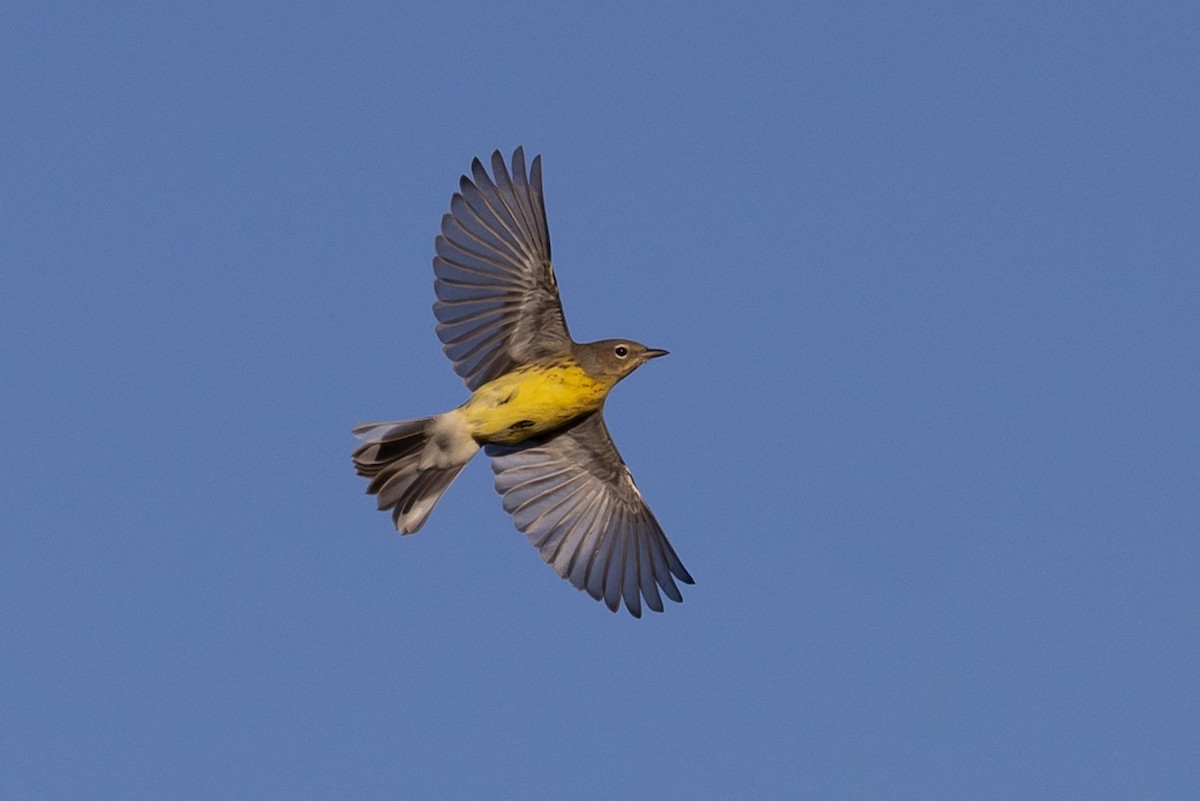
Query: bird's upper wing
572, 494
498, 303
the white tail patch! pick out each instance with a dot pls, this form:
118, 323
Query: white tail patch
450, 442
410, 463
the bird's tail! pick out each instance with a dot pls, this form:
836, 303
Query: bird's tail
412, 462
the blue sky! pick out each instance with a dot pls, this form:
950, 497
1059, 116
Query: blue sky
927, 438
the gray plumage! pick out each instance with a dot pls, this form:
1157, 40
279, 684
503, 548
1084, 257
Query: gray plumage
572, 494
498, 304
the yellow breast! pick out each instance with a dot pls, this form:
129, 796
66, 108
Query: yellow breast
532, 399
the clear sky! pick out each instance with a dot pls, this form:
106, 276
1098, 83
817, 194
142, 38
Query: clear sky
927, 437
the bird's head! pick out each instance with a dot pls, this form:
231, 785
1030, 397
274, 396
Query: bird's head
613, 359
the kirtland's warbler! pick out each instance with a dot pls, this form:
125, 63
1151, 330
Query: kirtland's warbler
536, 405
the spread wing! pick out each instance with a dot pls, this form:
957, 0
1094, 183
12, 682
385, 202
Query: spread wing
572, 494
498, 303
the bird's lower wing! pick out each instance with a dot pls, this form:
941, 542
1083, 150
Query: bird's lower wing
572, 494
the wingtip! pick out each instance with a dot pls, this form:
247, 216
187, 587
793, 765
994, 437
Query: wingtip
499, 167
535, 177
653, 600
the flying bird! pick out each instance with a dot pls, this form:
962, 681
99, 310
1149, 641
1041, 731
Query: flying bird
536, 404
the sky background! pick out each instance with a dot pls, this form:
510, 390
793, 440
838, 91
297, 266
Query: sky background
927, 438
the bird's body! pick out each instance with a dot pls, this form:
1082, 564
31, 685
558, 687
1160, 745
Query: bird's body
536, 403
533, 399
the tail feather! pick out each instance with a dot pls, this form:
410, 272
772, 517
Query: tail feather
411, 463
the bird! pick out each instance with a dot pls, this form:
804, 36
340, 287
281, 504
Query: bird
536, 406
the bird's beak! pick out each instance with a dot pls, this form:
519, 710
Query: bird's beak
654, 353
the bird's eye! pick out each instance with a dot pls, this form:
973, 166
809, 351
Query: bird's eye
621, 351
